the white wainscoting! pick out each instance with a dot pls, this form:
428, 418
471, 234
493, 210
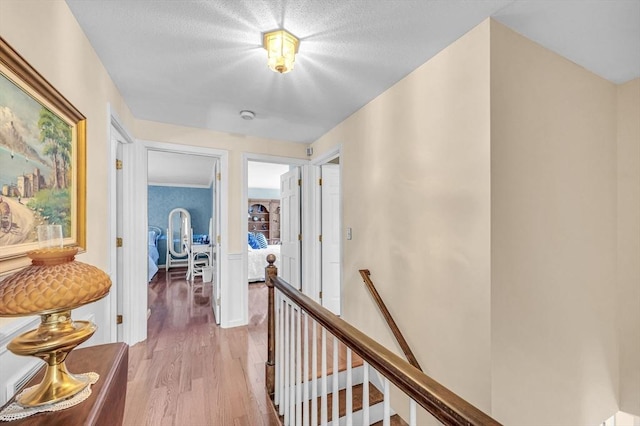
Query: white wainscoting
234, 294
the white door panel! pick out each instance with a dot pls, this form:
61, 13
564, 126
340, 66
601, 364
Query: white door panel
119, 232
290, 227
331, 270
215, 226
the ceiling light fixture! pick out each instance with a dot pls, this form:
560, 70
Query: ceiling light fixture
247, 115
281, 50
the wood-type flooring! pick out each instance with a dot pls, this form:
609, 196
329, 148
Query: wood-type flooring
190, 371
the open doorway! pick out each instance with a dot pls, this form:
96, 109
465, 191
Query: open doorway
263, 221
135, 233
265, 169
183, 211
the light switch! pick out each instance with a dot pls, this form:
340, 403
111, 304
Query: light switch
348, 233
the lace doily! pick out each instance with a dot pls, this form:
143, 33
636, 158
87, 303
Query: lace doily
14, 411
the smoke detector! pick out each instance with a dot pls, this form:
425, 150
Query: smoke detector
247, 115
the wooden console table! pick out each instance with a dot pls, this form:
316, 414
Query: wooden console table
105, 406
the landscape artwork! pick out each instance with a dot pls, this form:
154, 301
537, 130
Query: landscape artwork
35, 167
42, 161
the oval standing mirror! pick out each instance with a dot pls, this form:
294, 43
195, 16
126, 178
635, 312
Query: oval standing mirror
179, 231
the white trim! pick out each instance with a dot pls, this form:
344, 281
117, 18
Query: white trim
333, 153
14, 328
226, 288
134, 249
115, 122
275, 159
17, 381
315, 264
180, 185
236, 296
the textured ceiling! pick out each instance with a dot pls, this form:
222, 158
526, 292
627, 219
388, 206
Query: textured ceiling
198, 63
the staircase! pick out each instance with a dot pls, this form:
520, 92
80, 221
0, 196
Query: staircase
358, 394
303, 337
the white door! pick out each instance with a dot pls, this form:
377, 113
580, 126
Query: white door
331, 270
290, 227
123, 269
118, 191
214, 234
119, 232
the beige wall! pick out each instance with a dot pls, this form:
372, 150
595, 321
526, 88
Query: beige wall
415, 176
427, 192
46, 34
553, 187
629, 244
415, 163
236, 145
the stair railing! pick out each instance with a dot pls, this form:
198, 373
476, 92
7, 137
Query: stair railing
301, 393
389, 319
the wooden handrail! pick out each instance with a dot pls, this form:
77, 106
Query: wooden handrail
390, 322
443, 404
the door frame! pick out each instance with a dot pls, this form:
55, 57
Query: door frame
138, 211
331, 235
244, 199
313, 212
128, 154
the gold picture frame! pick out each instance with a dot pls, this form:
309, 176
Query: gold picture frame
42, 161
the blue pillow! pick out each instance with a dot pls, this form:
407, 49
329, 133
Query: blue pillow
262, 240
253, 242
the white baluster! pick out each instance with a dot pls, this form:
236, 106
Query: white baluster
285, 395
412, 412
278, 354
314, 374
323, 393
336, 388
365, 393
386, 419
349, 390
305, 378
299, 367
292, 366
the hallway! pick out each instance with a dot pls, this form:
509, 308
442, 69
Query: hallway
190, 371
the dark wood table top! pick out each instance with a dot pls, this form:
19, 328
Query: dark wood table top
105, 406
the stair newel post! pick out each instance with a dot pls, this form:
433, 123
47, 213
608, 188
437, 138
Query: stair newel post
270, 272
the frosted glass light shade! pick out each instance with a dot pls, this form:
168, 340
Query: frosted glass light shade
281, 50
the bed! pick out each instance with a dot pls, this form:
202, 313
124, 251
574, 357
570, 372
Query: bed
257, 259
154, 235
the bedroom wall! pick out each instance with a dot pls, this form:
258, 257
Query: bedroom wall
264, 193
415, 182
47, 35
629, 244
162, 199
553, 203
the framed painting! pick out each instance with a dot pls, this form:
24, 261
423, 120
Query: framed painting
42, 161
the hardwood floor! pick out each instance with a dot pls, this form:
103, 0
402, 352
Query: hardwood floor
191, 372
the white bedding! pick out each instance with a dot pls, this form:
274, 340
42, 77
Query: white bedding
258, 261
